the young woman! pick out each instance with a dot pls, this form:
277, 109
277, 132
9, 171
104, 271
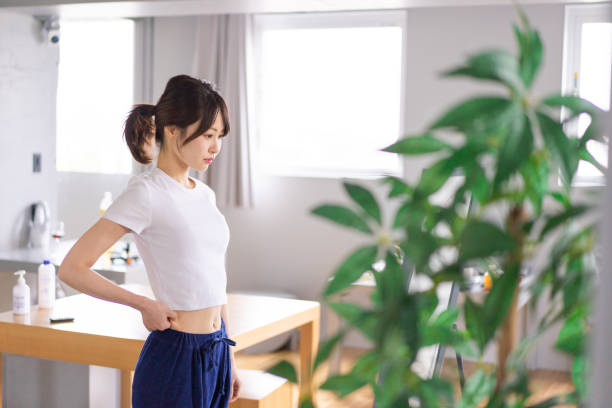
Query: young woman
182, 237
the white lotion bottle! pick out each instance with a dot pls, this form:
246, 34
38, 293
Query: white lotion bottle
46, 285
21, 295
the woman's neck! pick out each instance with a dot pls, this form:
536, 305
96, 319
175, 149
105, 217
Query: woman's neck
174, 169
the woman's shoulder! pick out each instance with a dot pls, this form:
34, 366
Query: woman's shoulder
138, 179
139, 183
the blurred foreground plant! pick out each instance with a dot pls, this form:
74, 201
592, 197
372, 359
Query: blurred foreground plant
506, 149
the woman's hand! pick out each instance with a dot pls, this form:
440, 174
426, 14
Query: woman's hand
156, 315
236, 383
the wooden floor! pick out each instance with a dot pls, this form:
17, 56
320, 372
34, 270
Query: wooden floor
544, 383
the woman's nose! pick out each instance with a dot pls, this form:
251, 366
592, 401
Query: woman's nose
215, 146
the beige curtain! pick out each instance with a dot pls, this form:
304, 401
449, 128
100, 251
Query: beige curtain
220, 57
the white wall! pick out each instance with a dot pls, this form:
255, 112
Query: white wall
28, 82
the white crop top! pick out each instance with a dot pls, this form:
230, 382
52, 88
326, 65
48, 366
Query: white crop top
181, 236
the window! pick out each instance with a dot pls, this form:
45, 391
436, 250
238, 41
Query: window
328, 93
95, 93
587, 72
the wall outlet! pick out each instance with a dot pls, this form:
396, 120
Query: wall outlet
36, 162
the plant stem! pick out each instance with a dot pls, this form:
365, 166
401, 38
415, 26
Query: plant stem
507, 340
507, 335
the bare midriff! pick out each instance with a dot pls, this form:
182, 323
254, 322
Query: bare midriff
200, 321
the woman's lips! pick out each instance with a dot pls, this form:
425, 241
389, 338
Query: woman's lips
208, 160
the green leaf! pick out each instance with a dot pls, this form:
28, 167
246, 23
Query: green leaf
367, 365
474, 322
401, 216
391, 281
477, 387
579, 376
436, 176
365, 199
307, 403
351, 269
476, 181
436, 392
559, 144
495, 65
398, 186
535, 175
327, 347
343, 384
470, 112
447, 317
561, 198
530, 52
343, 216
284, 369
414, 145
498, 301
480, 239
419, 247
441, 331
572, 336
592, 132
585, 155
575, 104
568, 214
348, 311
515, 150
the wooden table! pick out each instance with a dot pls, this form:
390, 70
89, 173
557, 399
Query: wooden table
111, 334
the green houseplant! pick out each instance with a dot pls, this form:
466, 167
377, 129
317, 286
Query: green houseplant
505, 148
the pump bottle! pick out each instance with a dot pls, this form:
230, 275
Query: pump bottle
21, 295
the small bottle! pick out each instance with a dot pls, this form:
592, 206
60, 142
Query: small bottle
575, 89
21, 295
106, 201
46, 285
488, 282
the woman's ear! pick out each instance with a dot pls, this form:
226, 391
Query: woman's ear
171, 131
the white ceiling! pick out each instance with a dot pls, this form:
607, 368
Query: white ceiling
145, 8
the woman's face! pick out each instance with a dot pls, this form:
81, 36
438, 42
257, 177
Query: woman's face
206, 146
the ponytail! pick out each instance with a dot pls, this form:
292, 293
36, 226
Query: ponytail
138, 131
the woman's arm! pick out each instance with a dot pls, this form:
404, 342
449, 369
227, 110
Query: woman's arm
76, 271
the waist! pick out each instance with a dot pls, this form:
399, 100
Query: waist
199, 321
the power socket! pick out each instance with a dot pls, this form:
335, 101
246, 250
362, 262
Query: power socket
36, 162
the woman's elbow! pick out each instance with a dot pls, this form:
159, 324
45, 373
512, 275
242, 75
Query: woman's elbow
63, 272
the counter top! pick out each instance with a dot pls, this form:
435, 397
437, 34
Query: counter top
56, 254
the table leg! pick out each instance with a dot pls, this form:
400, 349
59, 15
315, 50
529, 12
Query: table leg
0, 379
126, 388
309, 343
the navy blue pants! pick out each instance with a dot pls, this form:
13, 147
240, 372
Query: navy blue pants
183, 370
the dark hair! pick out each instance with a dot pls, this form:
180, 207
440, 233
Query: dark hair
184, 101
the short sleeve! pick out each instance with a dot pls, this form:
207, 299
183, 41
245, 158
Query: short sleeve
213, 197
132, 208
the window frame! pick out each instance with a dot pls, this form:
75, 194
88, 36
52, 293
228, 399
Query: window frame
575, 17
334, 19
